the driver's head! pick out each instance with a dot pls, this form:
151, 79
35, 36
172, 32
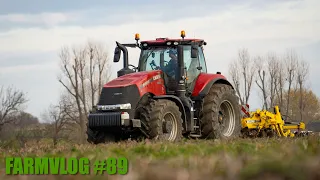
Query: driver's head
173, 54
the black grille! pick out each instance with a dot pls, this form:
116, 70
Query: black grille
120, 95
104, 119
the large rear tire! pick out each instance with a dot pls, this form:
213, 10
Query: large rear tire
220, 116
155, 118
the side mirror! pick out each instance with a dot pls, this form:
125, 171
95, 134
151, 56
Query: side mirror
194, 51
117, 54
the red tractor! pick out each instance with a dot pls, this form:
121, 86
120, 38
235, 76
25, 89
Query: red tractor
168, 96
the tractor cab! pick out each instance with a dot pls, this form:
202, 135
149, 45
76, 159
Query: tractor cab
162, 54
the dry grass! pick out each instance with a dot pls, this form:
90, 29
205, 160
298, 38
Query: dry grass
297, 158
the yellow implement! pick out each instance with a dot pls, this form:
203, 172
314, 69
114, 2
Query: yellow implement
263, 123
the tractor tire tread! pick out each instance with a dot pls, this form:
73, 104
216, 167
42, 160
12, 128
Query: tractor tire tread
209, 119
91, 138
152, 114
101, 137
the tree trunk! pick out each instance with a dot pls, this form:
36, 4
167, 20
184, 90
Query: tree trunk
300, 101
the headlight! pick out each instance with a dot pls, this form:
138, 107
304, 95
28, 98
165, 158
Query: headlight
125, 106
114, 107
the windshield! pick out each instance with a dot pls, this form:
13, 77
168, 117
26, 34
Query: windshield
155, 56
165, 58
161, 56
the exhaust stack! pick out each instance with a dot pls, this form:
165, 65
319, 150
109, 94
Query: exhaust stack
125, 70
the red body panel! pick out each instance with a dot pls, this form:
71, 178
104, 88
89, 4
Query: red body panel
203, 79
146, 81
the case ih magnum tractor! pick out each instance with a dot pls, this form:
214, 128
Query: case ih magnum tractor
167, 97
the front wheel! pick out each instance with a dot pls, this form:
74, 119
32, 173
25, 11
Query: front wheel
161, 120
97, 137
220, 117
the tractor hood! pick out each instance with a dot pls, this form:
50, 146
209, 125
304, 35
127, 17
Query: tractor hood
138, 78
128, 89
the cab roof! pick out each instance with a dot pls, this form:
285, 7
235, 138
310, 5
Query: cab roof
159, 41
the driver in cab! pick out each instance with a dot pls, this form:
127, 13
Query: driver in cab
170, 68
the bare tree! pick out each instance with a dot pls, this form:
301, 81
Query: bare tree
280, 83
85, 70
273, 70
82, 74
291, 68
302, 74
248, 72
92, 70
99, 71
12, 101
70, 69
242, 73
261, 80
235, 78
58, 118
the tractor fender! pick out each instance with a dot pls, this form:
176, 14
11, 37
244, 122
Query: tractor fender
206, 89
179, 104
205, 81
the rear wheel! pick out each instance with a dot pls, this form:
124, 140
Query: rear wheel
220, 117
161, 120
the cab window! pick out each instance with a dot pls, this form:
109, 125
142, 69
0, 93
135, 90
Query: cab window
202, 60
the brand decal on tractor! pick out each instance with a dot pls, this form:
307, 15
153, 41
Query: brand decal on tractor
156, 77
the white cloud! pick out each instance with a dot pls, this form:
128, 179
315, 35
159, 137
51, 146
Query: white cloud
275, 27
236, 25
29, 68
48, 19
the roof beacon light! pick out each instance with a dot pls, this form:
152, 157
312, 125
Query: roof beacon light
183, 34
137, 37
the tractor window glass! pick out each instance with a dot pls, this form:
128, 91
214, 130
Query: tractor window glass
191, 64
202, 60
187, 57
154, 57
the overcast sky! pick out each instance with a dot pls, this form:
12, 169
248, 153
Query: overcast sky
31, 33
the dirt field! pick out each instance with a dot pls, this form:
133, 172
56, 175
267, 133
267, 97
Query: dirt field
297, 158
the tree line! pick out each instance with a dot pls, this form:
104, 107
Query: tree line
83, 71
280, 79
